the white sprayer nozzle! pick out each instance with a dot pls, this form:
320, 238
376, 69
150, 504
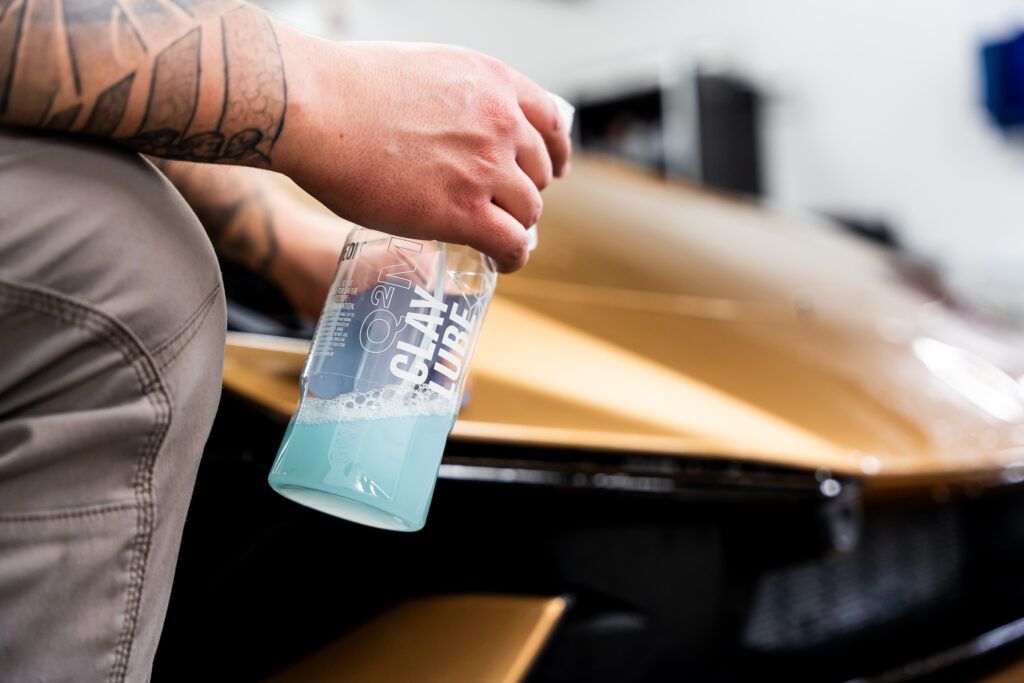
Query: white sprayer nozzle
566, 111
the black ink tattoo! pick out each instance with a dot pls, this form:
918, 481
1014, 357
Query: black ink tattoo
141, 7
85, 11
109, 109
157, 20
130, 25
233, 207
174, 90
244, 231
4, 5
63, 120
252, 114
105, 36
186, 5
270, 249
253, 245
10, 37
254, 98
39, 86
255, 95
47, 103
253, 111
99, 35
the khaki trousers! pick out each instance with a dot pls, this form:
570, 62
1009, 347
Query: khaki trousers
111, 343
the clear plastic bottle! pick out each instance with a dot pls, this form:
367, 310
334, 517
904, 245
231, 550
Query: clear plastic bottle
383, 382
384, 378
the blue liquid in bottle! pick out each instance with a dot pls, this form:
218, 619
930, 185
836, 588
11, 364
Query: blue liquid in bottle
376, 466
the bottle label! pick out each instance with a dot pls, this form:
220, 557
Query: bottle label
443, 334
421, 337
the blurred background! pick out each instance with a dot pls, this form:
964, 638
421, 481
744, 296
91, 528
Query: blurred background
871, 112
769, 421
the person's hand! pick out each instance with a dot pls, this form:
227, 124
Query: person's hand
422, 141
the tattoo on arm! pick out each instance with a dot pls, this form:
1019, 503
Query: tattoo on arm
109, 108
12, 21
78, 65
244, 231
234, 207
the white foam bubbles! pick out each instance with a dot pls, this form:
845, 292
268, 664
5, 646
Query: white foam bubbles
374, 405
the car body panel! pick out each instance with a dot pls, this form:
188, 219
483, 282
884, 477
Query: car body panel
657, 317
482, 638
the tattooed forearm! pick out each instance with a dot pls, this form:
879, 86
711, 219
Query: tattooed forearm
235, 205
199, 80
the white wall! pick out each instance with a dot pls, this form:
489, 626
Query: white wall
873, 106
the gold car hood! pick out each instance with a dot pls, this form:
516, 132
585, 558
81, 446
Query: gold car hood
657, 317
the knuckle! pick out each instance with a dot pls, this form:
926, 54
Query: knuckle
488, 158
498, 111
497, 68
468, 195
473, 204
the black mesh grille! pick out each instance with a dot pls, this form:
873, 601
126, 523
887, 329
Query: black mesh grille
903, 563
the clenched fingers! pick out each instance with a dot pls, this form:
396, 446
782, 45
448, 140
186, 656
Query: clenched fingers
496, 233
519, 197
542, 113
532, 155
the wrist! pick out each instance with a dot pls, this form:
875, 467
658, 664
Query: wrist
302, 56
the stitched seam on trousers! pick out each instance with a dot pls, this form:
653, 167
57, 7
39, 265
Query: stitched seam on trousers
92, 511
152, 386
169, 351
